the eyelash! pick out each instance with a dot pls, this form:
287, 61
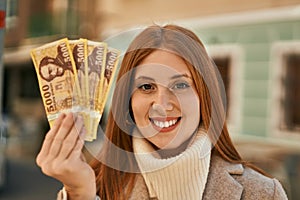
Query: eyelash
142, 87
180, 86
149, 87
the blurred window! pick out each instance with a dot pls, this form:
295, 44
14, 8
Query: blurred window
224, 67
40, 18
20, 81
291, 98
29, 84
228, 59
11, 14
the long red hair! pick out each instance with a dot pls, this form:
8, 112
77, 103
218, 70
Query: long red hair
116, 175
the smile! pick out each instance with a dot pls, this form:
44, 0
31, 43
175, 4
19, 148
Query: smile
165, 124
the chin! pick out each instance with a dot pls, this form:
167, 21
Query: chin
166, 145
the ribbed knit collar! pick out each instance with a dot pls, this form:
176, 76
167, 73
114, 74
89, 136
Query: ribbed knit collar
180, 177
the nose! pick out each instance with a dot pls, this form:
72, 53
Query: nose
164, 99
52, 73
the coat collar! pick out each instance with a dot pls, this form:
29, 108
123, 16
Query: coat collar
221, 183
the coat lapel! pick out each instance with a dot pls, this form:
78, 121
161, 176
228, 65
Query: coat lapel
221, 183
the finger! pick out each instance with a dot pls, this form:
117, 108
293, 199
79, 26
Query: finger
63, 131
77, 150
71, 139
48, 139
82, 157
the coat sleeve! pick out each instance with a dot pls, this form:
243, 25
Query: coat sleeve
279, 193
62, 195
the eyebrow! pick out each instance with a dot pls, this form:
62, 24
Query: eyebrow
181, 75
144, 77
173, 77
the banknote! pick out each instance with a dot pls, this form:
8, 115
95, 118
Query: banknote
76, 76
96, 59
56, 74
79, 51
112, 59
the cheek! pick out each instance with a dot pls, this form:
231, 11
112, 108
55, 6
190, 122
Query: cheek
190, 105
44, 72
139, 107
190, 108
60, 71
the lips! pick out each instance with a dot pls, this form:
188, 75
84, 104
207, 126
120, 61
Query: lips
165, 124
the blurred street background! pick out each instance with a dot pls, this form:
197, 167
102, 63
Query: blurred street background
255, 45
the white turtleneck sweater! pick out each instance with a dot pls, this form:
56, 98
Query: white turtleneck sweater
180, 177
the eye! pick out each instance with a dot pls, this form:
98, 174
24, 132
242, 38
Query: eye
147, 87
180, 85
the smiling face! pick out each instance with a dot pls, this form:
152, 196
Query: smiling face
164, 102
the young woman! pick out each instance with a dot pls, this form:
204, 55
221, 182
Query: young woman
166, 136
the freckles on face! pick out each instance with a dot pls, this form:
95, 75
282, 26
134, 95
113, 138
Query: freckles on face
164, 102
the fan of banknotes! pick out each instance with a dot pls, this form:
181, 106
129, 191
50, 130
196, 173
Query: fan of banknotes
75, 76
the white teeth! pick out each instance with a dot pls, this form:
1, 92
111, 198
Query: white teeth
156, 123
165, 124
161, 124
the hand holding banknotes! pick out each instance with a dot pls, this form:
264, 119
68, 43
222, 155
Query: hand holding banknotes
61, 157
75, 76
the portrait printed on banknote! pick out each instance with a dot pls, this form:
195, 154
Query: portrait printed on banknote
50, 68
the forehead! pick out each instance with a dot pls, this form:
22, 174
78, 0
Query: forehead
49, 65
162, 63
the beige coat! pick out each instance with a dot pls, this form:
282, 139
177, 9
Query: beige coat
227, 181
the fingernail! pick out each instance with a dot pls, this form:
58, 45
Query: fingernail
79, 119
82, 132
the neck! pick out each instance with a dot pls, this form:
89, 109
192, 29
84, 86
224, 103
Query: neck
168, 153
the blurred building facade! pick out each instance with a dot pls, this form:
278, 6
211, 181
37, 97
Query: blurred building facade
255, 45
